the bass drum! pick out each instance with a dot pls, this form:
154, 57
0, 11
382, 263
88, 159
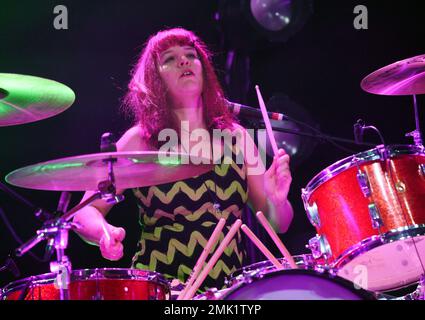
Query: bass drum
92, 284
295, 284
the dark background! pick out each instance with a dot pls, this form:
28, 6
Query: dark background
319, 69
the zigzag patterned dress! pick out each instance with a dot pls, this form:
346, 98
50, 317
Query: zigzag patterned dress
177, 219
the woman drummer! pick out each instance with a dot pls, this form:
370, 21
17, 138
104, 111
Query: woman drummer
174, 86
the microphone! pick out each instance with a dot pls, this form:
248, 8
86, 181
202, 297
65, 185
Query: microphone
358, 128
250, 112
64, 200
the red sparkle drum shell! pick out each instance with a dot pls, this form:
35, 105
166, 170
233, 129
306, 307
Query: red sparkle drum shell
342, 214
92, 284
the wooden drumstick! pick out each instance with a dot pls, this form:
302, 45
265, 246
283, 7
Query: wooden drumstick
261, 246
265, 223
214, 258
266, 121
201, 260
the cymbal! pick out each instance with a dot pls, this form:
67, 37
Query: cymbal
404, 77
26, 99
131, 170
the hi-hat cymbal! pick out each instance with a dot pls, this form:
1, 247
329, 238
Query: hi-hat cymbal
131, 170
404, 77
26, 99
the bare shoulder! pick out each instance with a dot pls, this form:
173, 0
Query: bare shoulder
132, 140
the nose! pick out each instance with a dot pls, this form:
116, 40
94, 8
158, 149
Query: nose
183, 61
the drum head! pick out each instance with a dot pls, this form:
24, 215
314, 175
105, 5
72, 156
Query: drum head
297, 285
385, 267
304, 261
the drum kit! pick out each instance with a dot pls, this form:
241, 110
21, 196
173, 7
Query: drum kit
367, 209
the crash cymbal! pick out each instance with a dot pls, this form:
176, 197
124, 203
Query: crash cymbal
26, 99
405, 77
131, 169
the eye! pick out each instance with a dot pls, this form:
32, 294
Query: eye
168, 59
192, 55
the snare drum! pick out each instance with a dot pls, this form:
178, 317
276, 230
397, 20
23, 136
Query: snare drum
262, 281
296, 284
241, 277
369, 213
92, 284
305, 261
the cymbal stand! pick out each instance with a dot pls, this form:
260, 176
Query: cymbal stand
416, 134
56, 232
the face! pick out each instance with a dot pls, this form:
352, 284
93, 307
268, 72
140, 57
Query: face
181, 70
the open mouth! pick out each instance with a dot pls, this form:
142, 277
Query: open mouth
187, 73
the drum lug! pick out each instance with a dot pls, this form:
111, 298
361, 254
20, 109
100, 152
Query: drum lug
422, 169
363, 183
313, 215
400, 187
319, 247
212, 294
312, 210
375, 216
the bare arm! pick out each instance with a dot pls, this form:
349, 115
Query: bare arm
92, 217
268, 190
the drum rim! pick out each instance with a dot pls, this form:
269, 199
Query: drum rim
234, 278
132, 274
376, 241
87, 274
42, 279
362, 293
342, 165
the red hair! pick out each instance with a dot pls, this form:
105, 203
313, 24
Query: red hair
146, 100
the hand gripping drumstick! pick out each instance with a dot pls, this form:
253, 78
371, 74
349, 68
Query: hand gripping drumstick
201, 260
276, 239
266, 121
261, 246
214, 258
